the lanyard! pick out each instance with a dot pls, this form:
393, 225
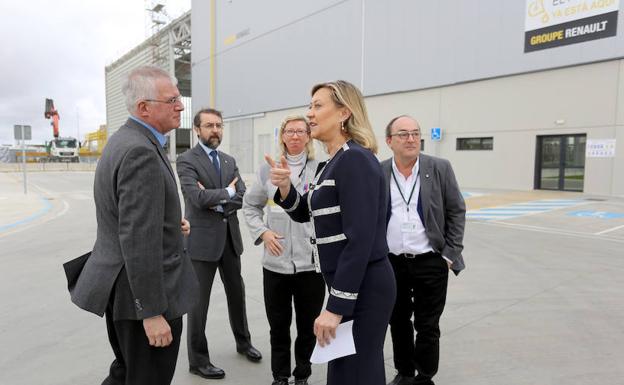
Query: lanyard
303, 169
407, 202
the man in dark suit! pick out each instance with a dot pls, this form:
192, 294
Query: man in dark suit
213, 193
425, 234
138, 273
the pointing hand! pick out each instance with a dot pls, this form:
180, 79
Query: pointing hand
280, 173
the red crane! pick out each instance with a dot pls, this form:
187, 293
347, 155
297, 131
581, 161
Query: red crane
51, 112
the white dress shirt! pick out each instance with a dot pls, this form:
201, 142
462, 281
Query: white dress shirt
406, 232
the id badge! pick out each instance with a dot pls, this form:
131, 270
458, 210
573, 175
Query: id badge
408, 227
273, 207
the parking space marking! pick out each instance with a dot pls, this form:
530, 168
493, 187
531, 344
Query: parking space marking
47, 206
609, 230
30, 222
471, 194
596, 214
549, 230
515, 210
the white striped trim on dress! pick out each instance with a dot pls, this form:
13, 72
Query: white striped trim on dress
332, 239
326, 211
294, 206
343, 294
326, 182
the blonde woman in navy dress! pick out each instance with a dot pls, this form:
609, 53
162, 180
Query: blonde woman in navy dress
347, 207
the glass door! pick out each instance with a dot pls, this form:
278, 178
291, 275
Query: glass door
560, 162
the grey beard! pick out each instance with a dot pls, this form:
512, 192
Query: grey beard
208, 143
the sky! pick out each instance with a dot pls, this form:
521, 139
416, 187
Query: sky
58, 50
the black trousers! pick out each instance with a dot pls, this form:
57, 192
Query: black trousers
229, 267
421, 293
370, 317
136, 362
307, 291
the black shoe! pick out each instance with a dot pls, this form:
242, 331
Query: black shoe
208, 371
251, 353
423, 380
280, 381
301, 381
402, 380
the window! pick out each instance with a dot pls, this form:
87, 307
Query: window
475, 143
241, 143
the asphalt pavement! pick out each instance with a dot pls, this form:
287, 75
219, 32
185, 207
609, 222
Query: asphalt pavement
539, 303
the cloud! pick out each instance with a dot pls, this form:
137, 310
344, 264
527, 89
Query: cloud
58, 50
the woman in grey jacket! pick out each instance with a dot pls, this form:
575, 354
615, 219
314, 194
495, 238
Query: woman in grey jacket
289, 275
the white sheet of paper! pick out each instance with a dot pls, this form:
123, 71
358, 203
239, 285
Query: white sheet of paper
342, 345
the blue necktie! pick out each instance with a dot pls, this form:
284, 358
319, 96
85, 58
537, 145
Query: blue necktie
215, 162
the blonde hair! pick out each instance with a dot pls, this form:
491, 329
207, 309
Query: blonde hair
357, 126
309, 147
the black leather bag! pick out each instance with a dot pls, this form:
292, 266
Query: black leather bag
73, 269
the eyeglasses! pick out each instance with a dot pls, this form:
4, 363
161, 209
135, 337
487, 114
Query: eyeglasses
403, 135
171, 101
210, 126
290, 133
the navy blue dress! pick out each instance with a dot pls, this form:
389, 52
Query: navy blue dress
347, 207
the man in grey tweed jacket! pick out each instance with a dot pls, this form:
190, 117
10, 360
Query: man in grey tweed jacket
138, 273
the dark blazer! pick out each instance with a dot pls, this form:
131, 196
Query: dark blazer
139, 250
443, 207
209, 227
347, 207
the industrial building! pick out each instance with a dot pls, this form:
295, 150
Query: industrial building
516, 94
169, 48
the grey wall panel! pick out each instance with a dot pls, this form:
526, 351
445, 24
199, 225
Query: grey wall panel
200, 70
249, 19
412, 45
276, 70
200, 86
408, 45
404, 45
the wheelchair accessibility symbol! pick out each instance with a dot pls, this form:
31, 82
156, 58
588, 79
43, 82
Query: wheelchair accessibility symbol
436, 134
596, 214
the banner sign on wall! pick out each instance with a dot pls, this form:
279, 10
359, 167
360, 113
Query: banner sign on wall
600, 148
554, 23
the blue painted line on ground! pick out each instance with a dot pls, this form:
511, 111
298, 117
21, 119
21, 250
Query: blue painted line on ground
596, 214
515, 210
467, 194
46, 207
535, 208
511, 209
542, 204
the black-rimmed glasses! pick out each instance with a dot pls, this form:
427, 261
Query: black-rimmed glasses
291, 133
171, 101
210, 126
403, 135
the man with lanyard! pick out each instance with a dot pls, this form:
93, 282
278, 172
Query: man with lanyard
425, 233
